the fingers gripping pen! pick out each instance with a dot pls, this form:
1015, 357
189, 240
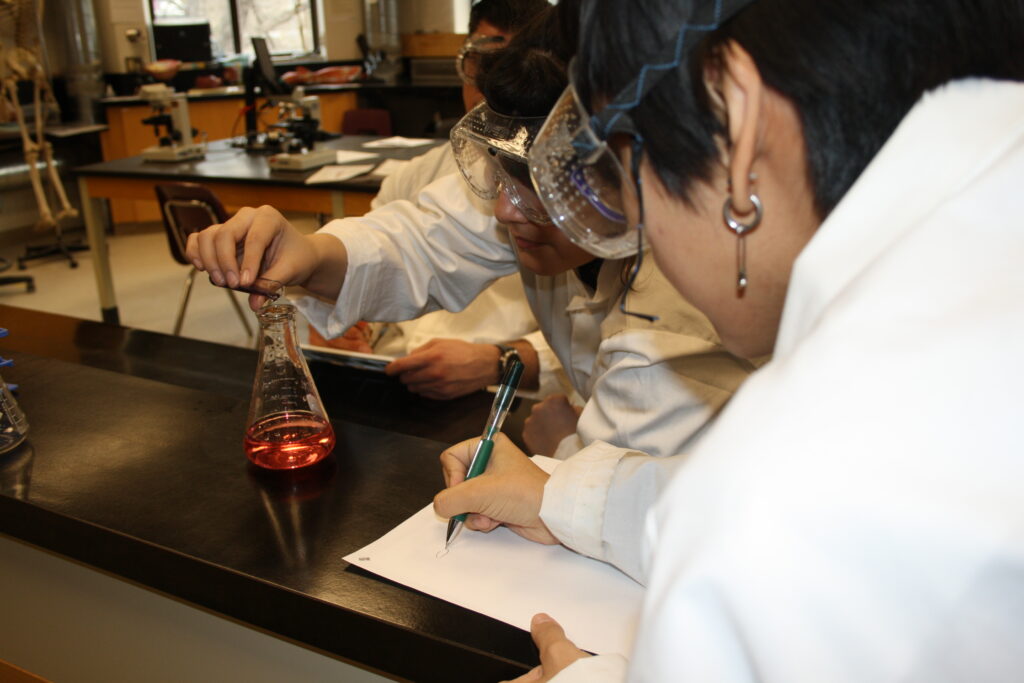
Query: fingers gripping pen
499, 410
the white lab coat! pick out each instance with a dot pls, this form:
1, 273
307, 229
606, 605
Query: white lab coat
651, 386
500, 313
856, 512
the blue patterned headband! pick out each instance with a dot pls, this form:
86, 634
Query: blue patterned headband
615, 116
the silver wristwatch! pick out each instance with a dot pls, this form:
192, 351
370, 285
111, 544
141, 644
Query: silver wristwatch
507, 354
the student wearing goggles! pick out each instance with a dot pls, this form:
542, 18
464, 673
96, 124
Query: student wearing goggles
648, 385
492, 23
445, 354
492, 148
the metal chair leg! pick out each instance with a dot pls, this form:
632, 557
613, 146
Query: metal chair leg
241, 314
185, 293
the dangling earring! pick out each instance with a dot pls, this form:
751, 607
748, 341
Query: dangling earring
742, 230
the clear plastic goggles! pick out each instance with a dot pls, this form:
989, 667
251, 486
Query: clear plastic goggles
490, 150
469, 55
580, 181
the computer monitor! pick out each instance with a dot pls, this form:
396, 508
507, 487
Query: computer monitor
264, 68
186, 39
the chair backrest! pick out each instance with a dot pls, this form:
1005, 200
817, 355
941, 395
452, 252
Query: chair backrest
187, 208
366, 122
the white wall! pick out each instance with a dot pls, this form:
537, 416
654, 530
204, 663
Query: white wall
342, 21
444, 16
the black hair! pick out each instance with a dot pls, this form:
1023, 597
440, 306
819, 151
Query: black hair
527, 77
852, 69
508, 16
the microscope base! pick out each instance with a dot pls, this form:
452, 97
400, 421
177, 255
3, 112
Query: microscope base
174, 153
302, 161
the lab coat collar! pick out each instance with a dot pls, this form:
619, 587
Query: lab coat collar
609, 288
950, 136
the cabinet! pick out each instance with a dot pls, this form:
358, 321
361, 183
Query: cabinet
219, 118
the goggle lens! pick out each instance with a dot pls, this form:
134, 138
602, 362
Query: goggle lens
579, 180
469, 55
490, 151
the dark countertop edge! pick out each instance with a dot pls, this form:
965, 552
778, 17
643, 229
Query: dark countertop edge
350, 635
138, 101
297, 182
322, 88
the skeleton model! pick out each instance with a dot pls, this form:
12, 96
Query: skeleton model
21, 59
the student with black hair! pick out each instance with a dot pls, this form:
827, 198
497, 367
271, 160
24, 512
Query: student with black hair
491, 24
444, 354
837, 183
649, 385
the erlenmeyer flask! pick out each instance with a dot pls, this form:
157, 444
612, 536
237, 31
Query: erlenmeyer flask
13, 425
287, 425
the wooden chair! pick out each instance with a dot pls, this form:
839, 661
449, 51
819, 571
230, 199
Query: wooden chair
366, 122
187, 208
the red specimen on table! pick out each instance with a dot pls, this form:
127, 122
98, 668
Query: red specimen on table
328, 74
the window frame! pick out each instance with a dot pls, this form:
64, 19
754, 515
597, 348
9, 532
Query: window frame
236, 37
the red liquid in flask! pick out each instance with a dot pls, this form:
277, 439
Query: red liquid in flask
285, 441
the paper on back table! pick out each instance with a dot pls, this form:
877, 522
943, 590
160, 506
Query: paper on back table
347, 156
397, 142
510, 579
336, 174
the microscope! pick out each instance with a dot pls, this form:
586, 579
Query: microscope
170, 113
299, 118
292, 140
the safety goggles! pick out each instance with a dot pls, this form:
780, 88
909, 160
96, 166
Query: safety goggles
469, 55
578, 177
490, 150
580, 181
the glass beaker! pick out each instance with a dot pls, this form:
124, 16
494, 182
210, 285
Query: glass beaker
287, 425
13, 425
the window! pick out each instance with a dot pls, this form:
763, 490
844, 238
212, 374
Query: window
288, 25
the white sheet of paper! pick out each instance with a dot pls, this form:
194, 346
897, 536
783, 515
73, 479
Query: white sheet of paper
510, 579
388, 166
347, 156
397, 141
334, 174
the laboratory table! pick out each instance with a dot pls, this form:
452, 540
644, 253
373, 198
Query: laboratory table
134, 465
239, 178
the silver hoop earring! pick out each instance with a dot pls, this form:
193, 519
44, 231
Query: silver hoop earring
742, 230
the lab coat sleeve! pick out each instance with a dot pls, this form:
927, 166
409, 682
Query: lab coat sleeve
655, 392
600, 669
406, 259
595, 502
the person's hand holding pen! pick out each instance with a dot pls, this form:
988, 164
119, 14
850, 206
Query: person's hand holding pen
509, 492
262, 243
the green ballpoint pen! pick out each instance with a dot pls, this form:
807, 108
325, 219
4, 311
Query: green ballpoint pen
499, 410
